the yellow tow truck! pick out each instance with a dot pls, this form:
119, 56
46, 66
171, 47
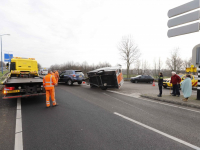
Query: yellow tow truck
23, 79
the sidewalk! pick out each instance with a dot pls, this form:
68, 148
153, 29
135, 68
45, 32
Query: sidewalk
192, 102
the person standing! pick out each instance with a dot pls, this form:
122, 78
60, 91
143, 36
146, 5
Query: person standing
160, 84
186, 87
175, 80
53, 73
57, 75
48, 82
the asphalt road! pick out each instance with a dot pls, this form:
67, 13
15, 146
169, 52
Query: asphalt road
7, 123
87, 119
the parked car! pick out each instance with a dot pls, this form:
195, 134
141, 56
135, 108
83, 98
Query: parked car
71, 76
142, 78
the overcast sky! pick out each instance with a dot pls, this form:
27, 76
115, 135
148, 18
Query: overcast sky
58, 31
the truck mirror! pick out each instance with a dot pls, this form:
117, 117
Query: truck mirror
7, 65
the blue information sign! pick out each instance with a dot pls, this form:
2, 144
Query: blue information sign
8, 57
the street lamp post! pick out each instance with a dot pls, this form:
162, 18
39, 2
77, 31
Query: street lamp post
1, 53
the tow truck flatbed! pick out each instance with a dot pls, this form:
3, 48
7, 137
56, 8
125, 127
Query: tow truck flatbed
15, 80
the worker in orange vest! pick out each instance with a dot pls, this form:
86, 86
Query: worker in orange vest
53, 73
48, 82
57, 75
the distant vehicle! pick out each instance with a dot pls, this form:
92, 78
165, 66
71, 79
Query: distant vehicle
108, 77
71, 76
43, 71
142, 78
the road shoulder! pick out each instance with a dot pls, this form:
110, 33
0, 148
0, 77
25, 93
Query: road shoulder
192, 102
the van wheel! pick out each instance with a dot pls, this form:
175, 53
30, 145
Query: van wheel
69, 82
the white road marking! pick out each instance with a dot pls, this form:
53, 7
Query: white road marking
18, 127
154, 101
130, 105
159, 132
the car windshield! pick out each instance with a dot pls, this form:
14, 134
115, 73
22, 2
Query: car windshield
79, 72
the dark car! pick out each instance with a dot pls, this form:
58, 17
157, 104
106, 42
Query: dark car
142, 78
71, 76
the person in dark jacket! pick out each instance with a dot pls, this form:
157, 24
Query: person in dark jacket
175, 80
160, 84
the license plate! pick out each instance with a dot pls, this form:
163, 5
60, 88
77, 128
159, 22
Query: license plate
13, 91
80, 76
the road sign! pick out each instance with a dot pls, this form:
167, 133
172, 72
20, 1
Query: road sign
196, 55
8, 57
184, 19
183, 30
184, 8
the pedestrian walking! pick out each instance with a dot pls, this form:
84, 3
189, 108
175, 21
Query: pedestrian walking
48, 82
175, 80
186, 87
160, 84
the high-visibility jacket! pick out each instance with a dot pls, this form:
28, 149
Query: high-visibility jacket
56, 74
49, 81
53, 74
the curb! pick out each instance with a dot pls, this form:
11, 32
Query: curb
172, 102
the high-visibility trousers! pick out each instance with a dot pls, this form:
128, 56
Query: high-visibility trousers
52, 94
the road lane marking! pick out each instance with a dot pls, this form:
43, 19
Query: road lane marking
18, 127
130, 105
158, 131
154, 101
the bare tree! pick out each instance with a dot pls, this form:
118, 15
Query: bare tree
129, 51
39, 66
145, 68
138, 65
159, 65
174, 62
3, 64
187, 63
155, 67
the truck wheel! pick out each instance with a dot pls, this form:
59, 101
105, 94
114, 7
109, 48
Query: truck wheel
80, 82
69, 82
104, 88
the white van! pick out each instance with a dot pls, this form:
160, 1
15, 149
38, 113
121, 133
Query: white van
43, 71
